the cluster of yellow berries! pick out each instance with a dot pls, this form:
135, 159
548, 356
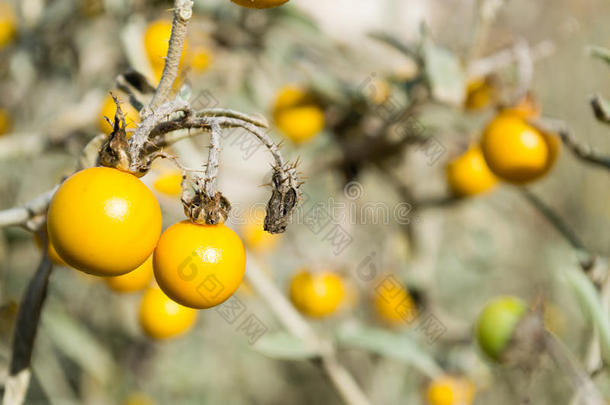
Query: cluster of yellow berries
297, 114
510, 150
107, 223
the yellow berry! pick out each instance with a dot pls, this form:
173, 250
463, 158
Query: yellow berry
6, 123
156, 44
479, 94
8, 24
135, 280
162, 318
469, 174
200, 59
317, 294
51, 252
449, 390
199, 266
104, 221
297, 115
393, 304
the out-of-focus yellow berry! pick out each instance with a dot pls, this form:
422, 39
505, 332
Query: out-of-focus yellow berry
479, 94
393, 303
169, 183
8, 24
317, 294
135, 280
448, 390
259, 3
51, 252
297, 115
132, 117
254, 236
162, 318
469, 174
6, 123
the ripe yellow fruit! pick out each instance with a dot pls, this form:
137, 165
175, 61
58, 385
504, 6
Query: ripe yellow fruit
8, 24
255, 237
51, 251
448, 390
514, 150
317, 294
479, 94
139, 399
162, 318
104, 222
469, 174
6, 123
199, 266
135, 280
169, 183
394, 305
132, 116
156, 44
297, 115
259, 3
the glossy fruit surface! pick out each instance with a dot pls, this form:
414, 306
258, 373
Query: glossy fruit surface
255, 237
469, 174
514, 150
156, 44
297, 115
394, 305
259, 3
132, 117
199, 266
497, 323
135, 280
103, 221
162, 318
8, 24
448, 390
169, 183
317, 294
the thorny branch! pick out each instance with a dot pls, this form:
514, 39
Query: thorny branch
582, 151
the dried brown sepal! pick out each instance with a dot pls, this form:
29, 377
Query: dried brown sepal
115, 150
284, 198
201, 208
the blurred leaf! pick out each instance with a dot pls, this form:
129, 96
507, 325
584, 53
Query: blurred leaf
284, 346
395, 43
601, 108
78, 344
589, 298
445, 74
600, 53
392, 345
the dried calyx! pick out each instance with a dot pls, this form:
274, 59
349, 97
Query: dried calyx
202, 208
284, 197
115, 150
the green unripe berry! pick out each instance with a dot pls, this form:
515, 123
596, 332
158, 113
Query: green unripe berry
497, 324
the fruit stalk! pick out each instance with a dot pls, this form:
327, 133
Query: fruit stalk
183, 11
292, 320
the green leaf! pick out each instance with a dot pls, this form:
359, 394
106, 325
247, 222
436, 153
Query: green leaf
445, 74
600, 53
589, 298
284, 346
389, 344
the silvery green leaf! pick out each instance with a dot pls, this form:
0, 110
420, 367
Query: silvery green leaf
445, 74
600, 53
390, 344
284, 346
